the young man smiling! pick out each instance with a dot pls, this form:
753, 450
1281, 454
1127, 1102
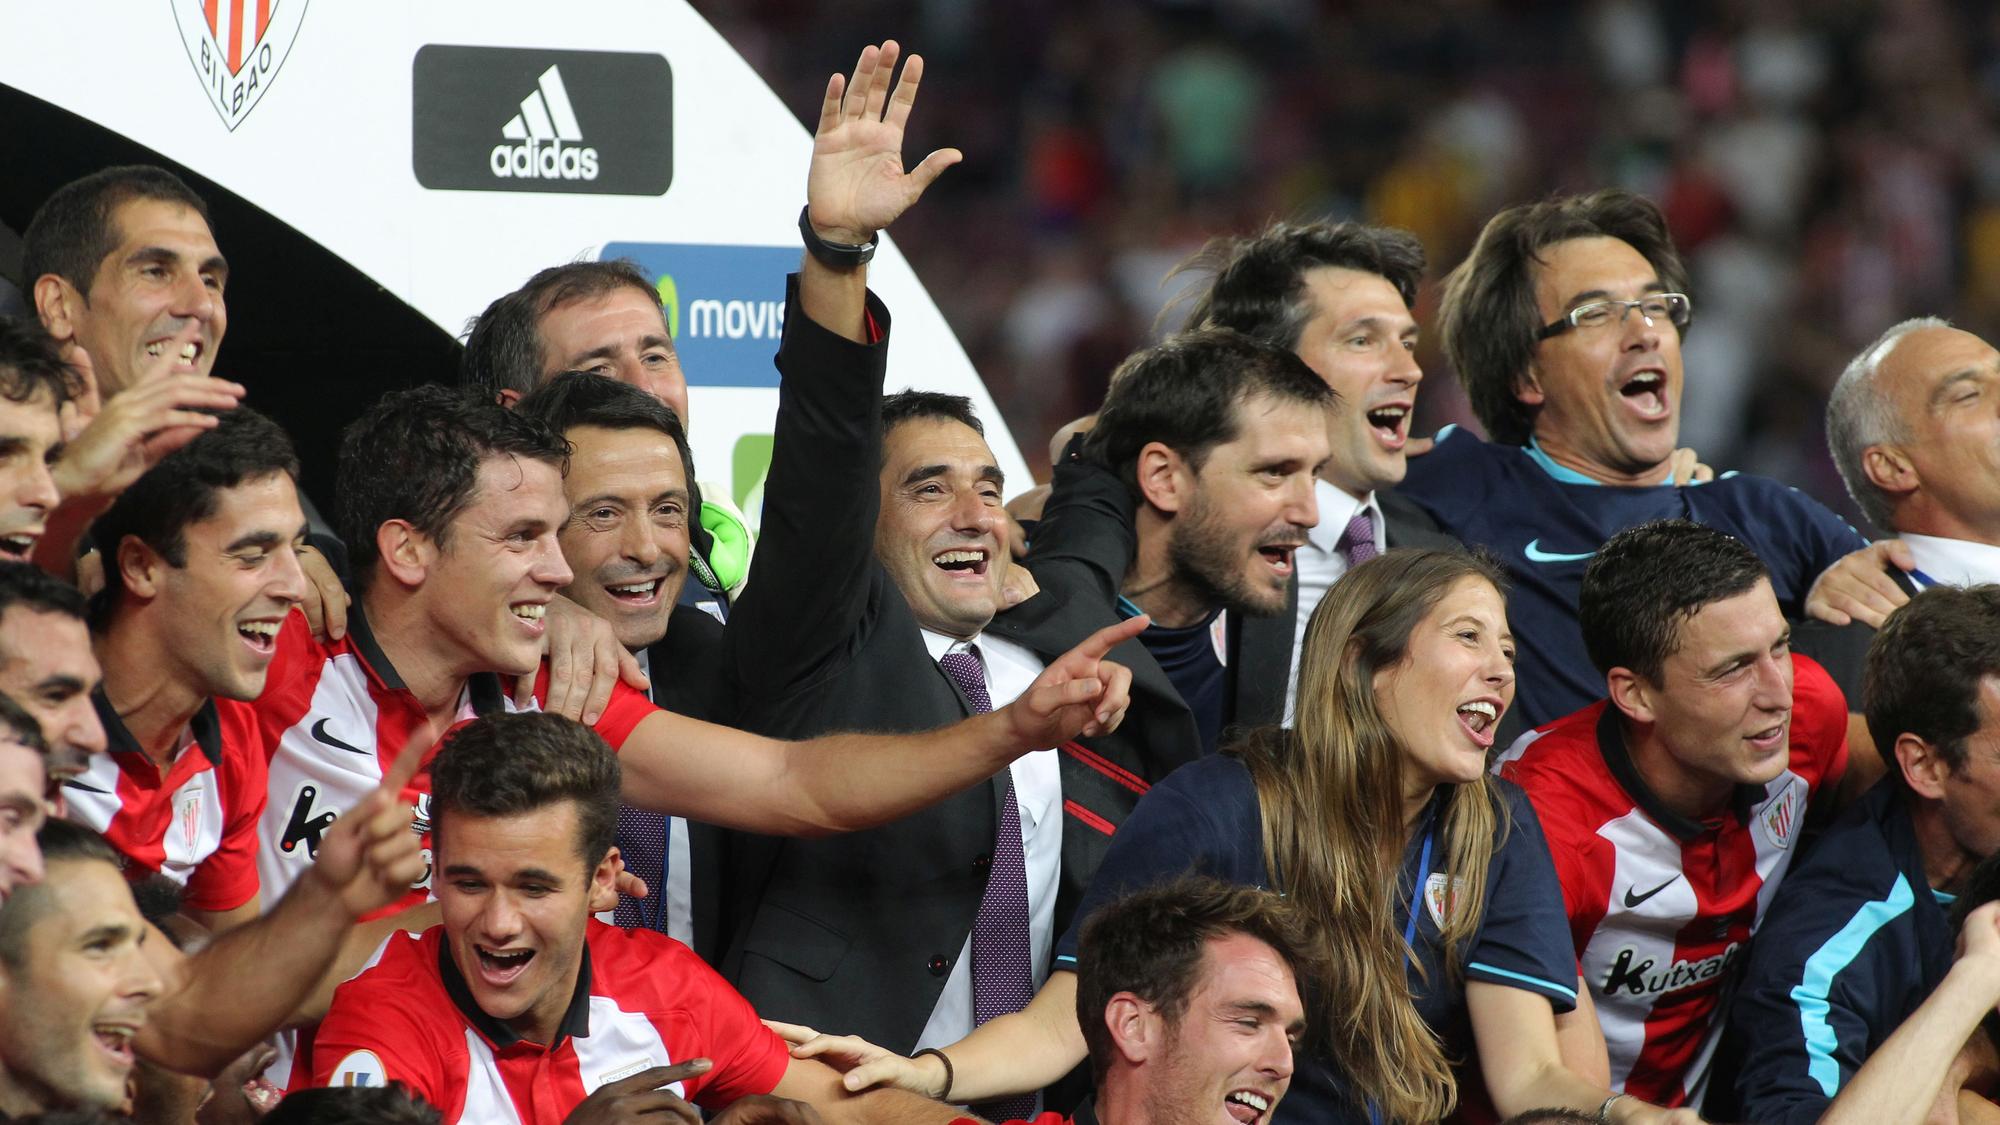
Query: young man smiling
1673, 808
520, 1006
202, 571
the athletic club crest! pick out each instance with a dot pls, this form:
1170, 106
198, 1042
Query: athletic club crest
1439, 891
236, 47
1781, 816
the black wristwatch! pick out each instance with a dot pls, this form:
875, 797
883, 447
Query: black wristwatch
833, 255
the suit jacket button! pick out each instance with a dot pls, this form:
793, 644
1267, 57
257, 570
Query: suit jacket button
938, 966
982, 863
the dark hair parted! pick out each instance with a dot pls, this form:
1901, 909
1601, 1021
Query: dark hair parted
1258, 284
415, 456
34, 589
1647, 581
584, 398
1152, 943
393, 1104
1187, 393
61, 841
503, 345
1924, 669
30, 363
73, 230
186, 488
505, 765
1489, 319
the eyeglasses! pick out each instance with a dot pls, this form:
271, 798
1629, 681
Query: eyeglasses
1655, 307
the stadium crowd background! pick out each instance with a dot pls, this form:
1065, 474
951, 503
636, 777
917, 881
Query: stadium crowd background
1826, 167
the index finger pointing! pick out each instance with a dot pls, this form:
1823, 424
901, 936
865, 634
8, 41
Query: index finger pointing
1111, 636
656, 1077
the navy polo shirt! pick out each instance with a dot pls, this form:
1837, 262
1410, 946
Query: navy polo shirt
1204, 818
1544, 521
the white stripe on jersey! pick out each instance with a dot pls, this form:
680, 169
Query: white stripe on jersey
1638, 941
620, 1044
487, 1101
312, 782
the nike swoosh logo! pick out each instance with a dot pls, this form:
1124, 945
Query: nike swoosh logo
1633, 900
72, 783
1535, 554
319, 734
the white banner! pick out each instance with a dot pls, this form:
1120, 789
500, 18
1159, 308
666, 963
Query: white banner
448, 149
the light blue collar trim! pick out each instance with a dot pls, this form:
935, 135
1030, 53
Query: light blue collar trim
1564, 475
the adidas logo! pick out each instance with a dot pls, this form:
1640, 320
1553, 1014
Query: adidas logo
549, 136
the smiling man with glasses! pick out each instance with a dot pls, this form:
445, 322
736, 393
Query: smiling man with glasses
1565, 325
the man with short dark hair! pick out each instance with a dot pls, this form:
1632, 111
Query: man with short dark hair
520, 1006
1342, 296
86, 985
34, 384
1860, 933
75, 981
201, 572
1673, 807
47, 666
127, 278
1188, 995
1565, 325
629, 487
602, 317
24, 789
878, 575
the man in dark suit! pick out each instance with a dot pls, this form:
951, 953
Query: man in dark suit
1341, 296
627, 541
878, 570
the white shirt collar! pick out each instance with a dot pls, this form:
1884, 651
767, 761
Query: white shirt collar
1337, 508
1955, 562
939, 644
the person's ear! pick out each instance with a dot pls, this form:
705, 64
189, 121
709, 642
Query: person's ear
1528, 388
1136, 1028
508, 396
605, 876
1890, 470
1923, 767
139, 567
1632, 695
406, 553
58, 305
1164, 480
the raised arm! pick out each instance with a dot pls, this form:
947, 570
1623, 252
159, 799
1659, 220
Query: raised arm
846, 782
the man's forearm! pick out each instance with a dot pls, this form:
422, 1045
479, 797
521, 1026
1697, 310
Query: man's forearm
836, 300
836, 783
891, 1107
247, 983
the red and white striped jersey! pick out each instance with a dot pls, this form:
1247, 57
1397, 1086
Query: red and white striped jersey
197, 825
642, 1000
1661, 907
334, 715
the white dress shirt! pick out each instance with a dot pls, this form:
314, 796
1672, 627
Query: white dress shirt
1010, 670
680, 861
1954, 562
1319, 565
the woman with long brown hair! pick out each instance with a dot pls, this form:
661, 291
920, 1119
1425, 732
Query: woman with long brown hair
1425, 879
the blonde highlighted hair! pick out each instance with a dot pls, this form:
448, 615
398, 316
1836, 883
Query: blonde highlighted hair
1333, 811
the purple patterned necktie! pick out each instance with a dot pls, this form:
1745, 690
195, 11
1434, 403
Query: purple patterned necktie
1002, 968
1357, 543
